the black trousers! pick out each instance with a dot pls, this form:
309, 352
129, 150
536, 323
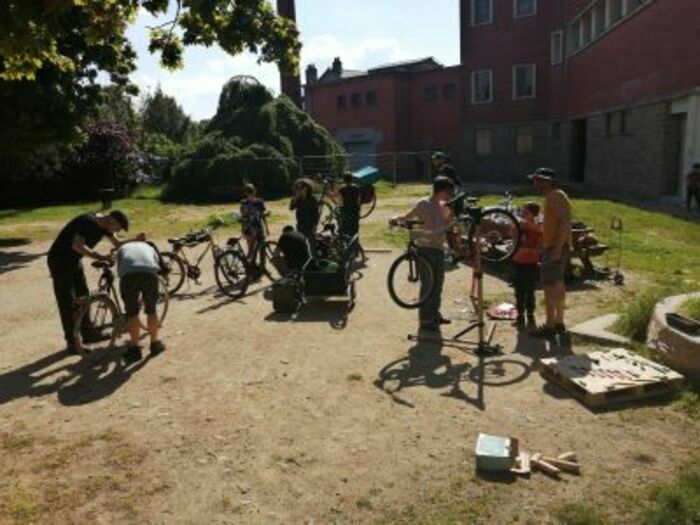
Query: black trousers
525, 279
692, 193
68, 284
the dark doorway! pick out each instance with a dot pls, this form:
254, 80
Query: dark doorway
578, 150
673, 157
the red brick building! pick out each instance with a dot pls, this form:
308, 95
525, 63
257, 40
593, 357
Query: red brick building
606, 91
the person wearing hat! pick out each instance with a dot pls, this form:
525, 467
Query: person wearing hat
692, 189
556, 248
306, 208
76, 240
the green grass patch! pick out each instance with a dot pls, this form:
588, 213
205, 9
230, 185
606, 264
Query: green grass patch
688, 402
634, 319
677, 501
578, 514
691, 308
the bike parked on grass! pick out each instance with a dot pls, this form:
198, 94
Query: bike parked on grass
100, 319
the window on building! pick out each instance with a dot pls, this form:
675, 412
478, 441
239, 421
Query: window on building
598, 14
482, 142
482, 86
482, 12
524, 140
341, 101
616, 123
523, 8
524, 81
614, 11
430, 94
449, 91
356, 100
623, 122
557, 51
585, 28
371, 99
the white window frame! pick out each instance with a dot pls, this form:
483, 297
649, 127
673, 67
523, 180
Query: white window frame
474, 74
472, 4
533, 66
515, 10
559, 49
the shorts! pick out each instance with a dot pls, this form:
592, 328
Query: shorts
133, 287
553, 272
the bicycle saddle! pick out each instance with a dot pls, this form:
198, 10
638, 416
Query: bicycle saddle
102, 264
175, 240
233, 241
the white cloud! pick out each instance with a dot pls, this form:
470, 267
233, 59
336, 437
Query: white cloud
367, 53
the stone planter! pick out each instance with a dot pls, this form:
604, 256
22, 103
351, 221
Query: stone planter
677, 350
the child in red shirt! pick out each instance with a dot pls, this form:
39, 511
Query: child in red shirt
526, 269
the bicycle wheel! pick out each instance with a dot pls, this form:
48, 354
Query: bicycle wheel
411, 280
231, 273
176, 271
500, 233
270, 266
367, 209
97, 323
161, 306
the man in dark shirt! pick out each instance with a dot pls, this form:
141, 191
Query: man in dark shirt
306, 207
350, 197
442, 167
75, 241
294, 248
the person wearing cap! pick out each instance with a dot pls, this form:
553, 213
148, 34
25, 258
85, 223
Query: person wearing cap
306, 208
556, 247
692, 189
350, 203
76, 240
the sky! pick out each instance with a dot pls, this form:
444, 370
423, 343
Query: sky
363, 33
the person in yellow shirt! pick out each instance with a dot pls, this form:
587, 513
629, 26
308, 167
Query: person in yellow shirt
556, 249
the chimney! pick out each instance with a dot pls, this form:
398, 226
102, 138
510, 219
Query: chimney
337, 66
311, 74
290, 83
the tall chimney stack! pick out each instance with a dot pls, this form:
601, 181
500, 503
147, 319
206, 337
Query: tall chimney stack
290, 83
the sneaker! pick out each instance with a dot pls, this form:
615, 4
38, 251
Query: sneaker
157, 347
544, 332
519, 322
132, 355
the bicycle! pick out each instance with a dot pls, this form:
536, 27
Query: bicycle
235, 270
330, 243
328, 201
411, 278
179, 265
100, 315
494, 230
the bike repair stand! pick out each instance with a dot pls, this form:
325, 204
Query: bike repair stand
482, 346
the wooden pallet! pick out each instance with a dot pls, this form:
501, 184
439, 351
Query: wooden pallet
604, 378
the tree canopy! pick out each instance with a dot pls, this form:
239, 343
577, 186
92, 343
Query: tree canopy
52, 51
163, 115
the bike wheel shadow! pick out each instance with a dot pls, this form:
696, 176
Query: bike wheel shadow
426, 366
335, 313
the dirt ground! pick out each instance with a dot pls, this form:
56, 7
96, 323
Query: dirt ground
255, 418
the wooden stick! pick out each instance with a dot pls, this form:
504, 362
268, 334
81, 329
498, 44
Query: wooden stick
568, 456
544, 466
568, 466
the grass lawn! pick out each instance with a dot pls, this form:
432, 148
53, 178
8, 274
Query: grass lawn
660, 249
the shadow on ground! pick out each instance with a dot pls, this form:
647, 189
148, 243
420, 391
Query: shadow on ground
77, 381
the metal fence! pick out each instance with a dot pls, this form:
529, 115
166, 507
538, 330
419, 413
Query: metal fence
395, 167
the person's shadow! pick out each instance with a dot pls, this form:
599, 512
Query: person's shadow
75, 381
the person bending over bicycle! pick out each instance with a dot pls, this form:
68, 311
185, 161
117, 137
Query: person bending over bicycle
253, 219
76, 240
138, 266
436, 217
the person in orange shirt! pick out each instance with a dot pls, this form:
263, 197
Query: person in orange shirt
526, 269
556, 249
